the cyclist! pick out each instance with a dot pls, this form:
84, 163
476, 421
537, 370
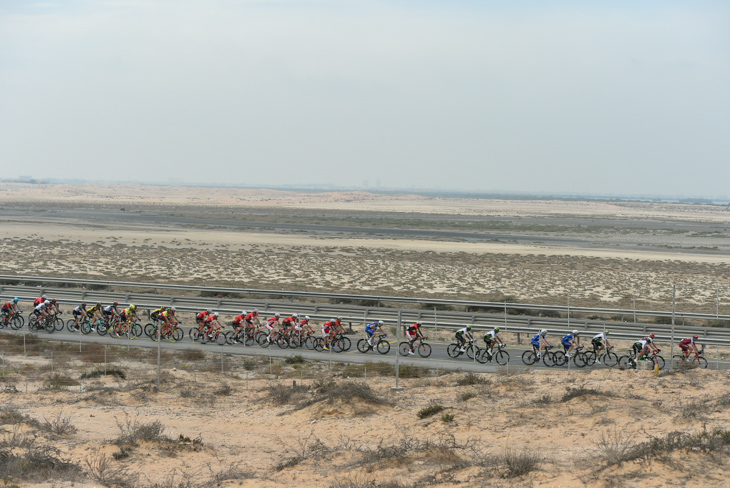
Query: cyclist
688, 345
9, 309
110, 311
339, 329
95, 314
238, 322
642, 346
129, 314
54, 306
302, 327
79, 312
41, 310
167, 320
371, 329
39, 300
599, 342
539, 342
211, 321
490, 337
288, 323
462, 335
328, 331
156, 312
413, 332
201, 316
570, 342
272, 326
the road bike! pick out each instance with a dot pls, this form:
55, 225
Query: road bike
607, 357
500, 356
454, 350
380, 345
419, 346
696, 361
534, 356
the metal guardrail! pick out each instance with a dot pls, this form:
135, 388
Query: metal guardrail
519, 324
374, 298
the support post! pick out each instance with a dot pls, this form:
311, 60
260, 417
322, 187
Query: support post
634, 307
159, 357
674, 308
104, 360
569, 311
397, 349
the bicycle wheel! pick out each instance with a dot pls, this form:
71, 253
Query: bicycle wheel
282, 342
135, 330
50, 326
71, 325
363, 346
404, 348
610, 359
295, 341
623, 362
560, 358
250, 339
529, 357
262, 340
59, 323
177, 334
222, 338
114, 333
580, 359
85, 327
548, 358
501, 357
453, 350
383, 347
32, 322
700, 362
659, 360
148, 328
102, 328
590, 358
471, 349
16, 322
193, 333
424, 350
482, 356
318, 344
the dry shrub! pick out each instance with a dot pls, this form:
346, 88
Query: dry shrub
192, 355
132, 432
22, 458
58, 425
519, 463
472, 379
429, 411
579, 392
101, 470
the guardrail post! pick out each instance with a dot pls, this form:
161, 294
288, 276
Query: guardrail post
126, 298
172, 301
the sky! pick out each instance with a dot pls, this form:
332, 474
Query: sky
591, 97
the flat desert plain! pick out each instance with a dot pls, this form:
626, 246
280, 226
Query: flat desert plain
337, 428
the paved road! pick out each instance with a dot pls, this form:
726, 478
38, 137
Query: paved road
438, 359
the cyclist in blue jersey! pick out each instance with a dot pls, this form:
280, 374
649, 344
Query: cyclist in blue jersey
539, 341
570, 342
371, 329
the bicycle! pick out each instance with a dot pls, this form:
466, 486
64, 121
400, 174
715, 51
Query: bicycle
71, 325
130, 329
423, 349
381, 345
16, 321
454, 350
630, 362
174, 334
533, 356
697, 361
606, 357
501, 357
47, 323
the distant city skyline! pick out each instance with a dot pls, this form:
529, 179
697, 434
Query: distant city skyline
619, 98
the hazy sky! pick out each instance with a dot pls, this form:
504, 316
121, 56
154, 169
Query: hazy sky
565, 96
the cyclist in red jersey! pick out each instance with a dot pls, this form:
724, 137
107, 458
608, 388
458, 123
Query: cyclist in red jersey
201, 316
272, 325
328, 331
289, 323
689, 345
9, 309
39, 300
413, 332
210, 322
238, 322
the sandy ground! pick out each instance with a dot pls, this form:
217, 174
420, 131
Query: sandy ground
581, 429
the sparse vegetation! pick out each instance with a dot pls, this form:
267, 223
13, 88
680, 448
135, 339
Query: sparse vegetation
429, 411
472, 379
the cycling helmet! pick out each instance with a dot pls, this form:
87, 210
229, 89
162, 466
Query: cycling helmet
132, 306
255, 310
173, 309
496, 329
696, 337
339, 317
468, 327
306, 317
651, 335
295, 315
47, 302
333, 320
209, 311
244, 313
543, 331
98, 304
16, 299
216, 314
53, 300
419, 322
575, 332
117, 303
607, 332
83, 305
380, 322
43, 297
277, 315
